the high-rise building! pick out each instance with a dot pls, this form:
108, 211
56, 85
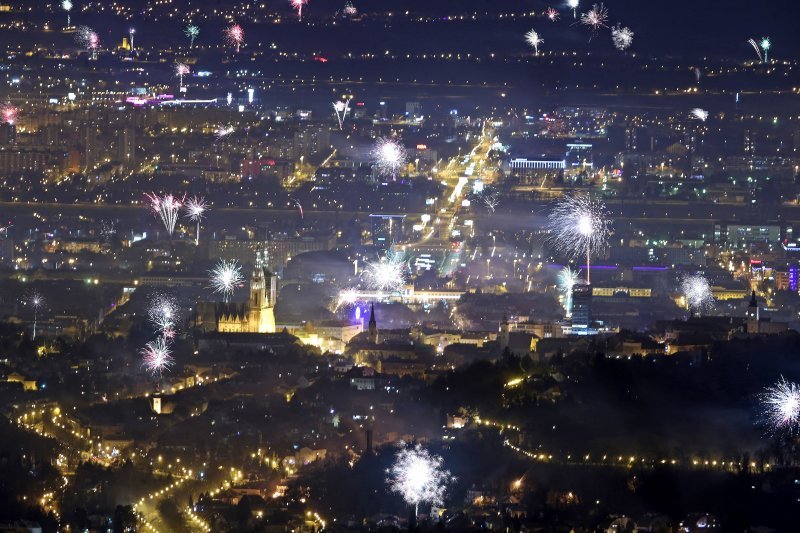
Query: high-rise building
90, 147
386, 230
8, 133
581, 306
126, 146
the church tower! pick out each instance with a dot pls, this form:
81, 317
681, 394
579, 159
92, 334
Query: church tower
504, 331
263, 294
373, 326
752, 315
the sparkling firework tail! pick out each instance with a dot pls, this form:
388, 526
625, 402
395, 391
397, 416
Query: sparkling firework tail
573, 4
534, 40
298, 5
167, 207
226, 277
780, 407
567, 279
36, 301
195, 210
579, 224
181, 70
756, 47
419, 477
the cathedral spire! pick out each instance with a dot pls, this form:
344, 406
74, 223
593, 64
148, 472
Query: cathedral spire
373, 326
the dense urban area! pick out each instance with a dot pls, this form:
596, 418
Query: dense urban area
338, 265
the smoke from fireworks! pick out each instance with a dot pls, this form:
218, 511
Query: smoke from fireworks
9, 114
191, 32
234, 36
163, 314
156, 356
195, 210
386, 275
419, 477
579, 225
390, 156
167, 207
226, 277
298, 6
595, 18
534, 40
697, 292
699, 114
88, 39
622, 37
567, 279
552, 14
780, 406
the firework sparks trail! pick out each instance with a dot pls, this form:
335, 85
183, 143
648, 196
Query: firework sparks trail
697, 292
622, 37
490, 200
9, 114
419, 477
390, 156
298, 5
756, 47
552, 14
167, 207
36, 301
534, 40
780, 406
88, 39
226, 277
579, 224
699, 114
163, 313
223, 131
299, 207
573, 4
341, 109
157, 356
66, 5
196, 208
386, 275
346, 298
595, 18
234, 36
697, 74
191, 31
567, 279
181, 70
765, 45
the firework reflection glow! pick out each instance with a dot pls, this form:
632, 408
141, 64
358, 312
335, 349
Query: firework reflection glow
419, 477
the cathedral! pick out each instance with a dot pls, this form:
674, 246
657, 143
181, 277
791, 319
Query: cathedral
255, 316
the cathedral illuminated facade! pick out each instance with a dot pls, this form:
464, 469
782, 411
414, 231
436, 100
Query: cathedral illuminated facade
257, 315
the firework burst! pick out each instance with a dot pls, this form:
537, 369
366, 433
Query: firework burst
780, 406
389, 155
346, 298
157, 356
9, 114
163, 312
191, 31
341, 108
223, 131
567, 279
167, 208
181, 70
36, 301
234, 36
88, 39
622, 37
226, 277
697, 292
534, 40
298, 6
595, 18
350, 10
195, 209
579, 225
756, 47
573, 5
386, 275
419, 477
765, 45
66, 5
552, 14
699, 114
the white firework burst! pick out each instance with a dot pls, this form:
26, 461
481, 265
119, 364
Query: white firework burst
163, 313
226, 277
389, 155
346, 298
419, 477
552, 14
567, 279
622, 37
157, 356
223, 131
579, 225
573, 5
386, 275
167, 208
780, 406
697, 292
699, 114
195, 209
595, 18
534, 40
